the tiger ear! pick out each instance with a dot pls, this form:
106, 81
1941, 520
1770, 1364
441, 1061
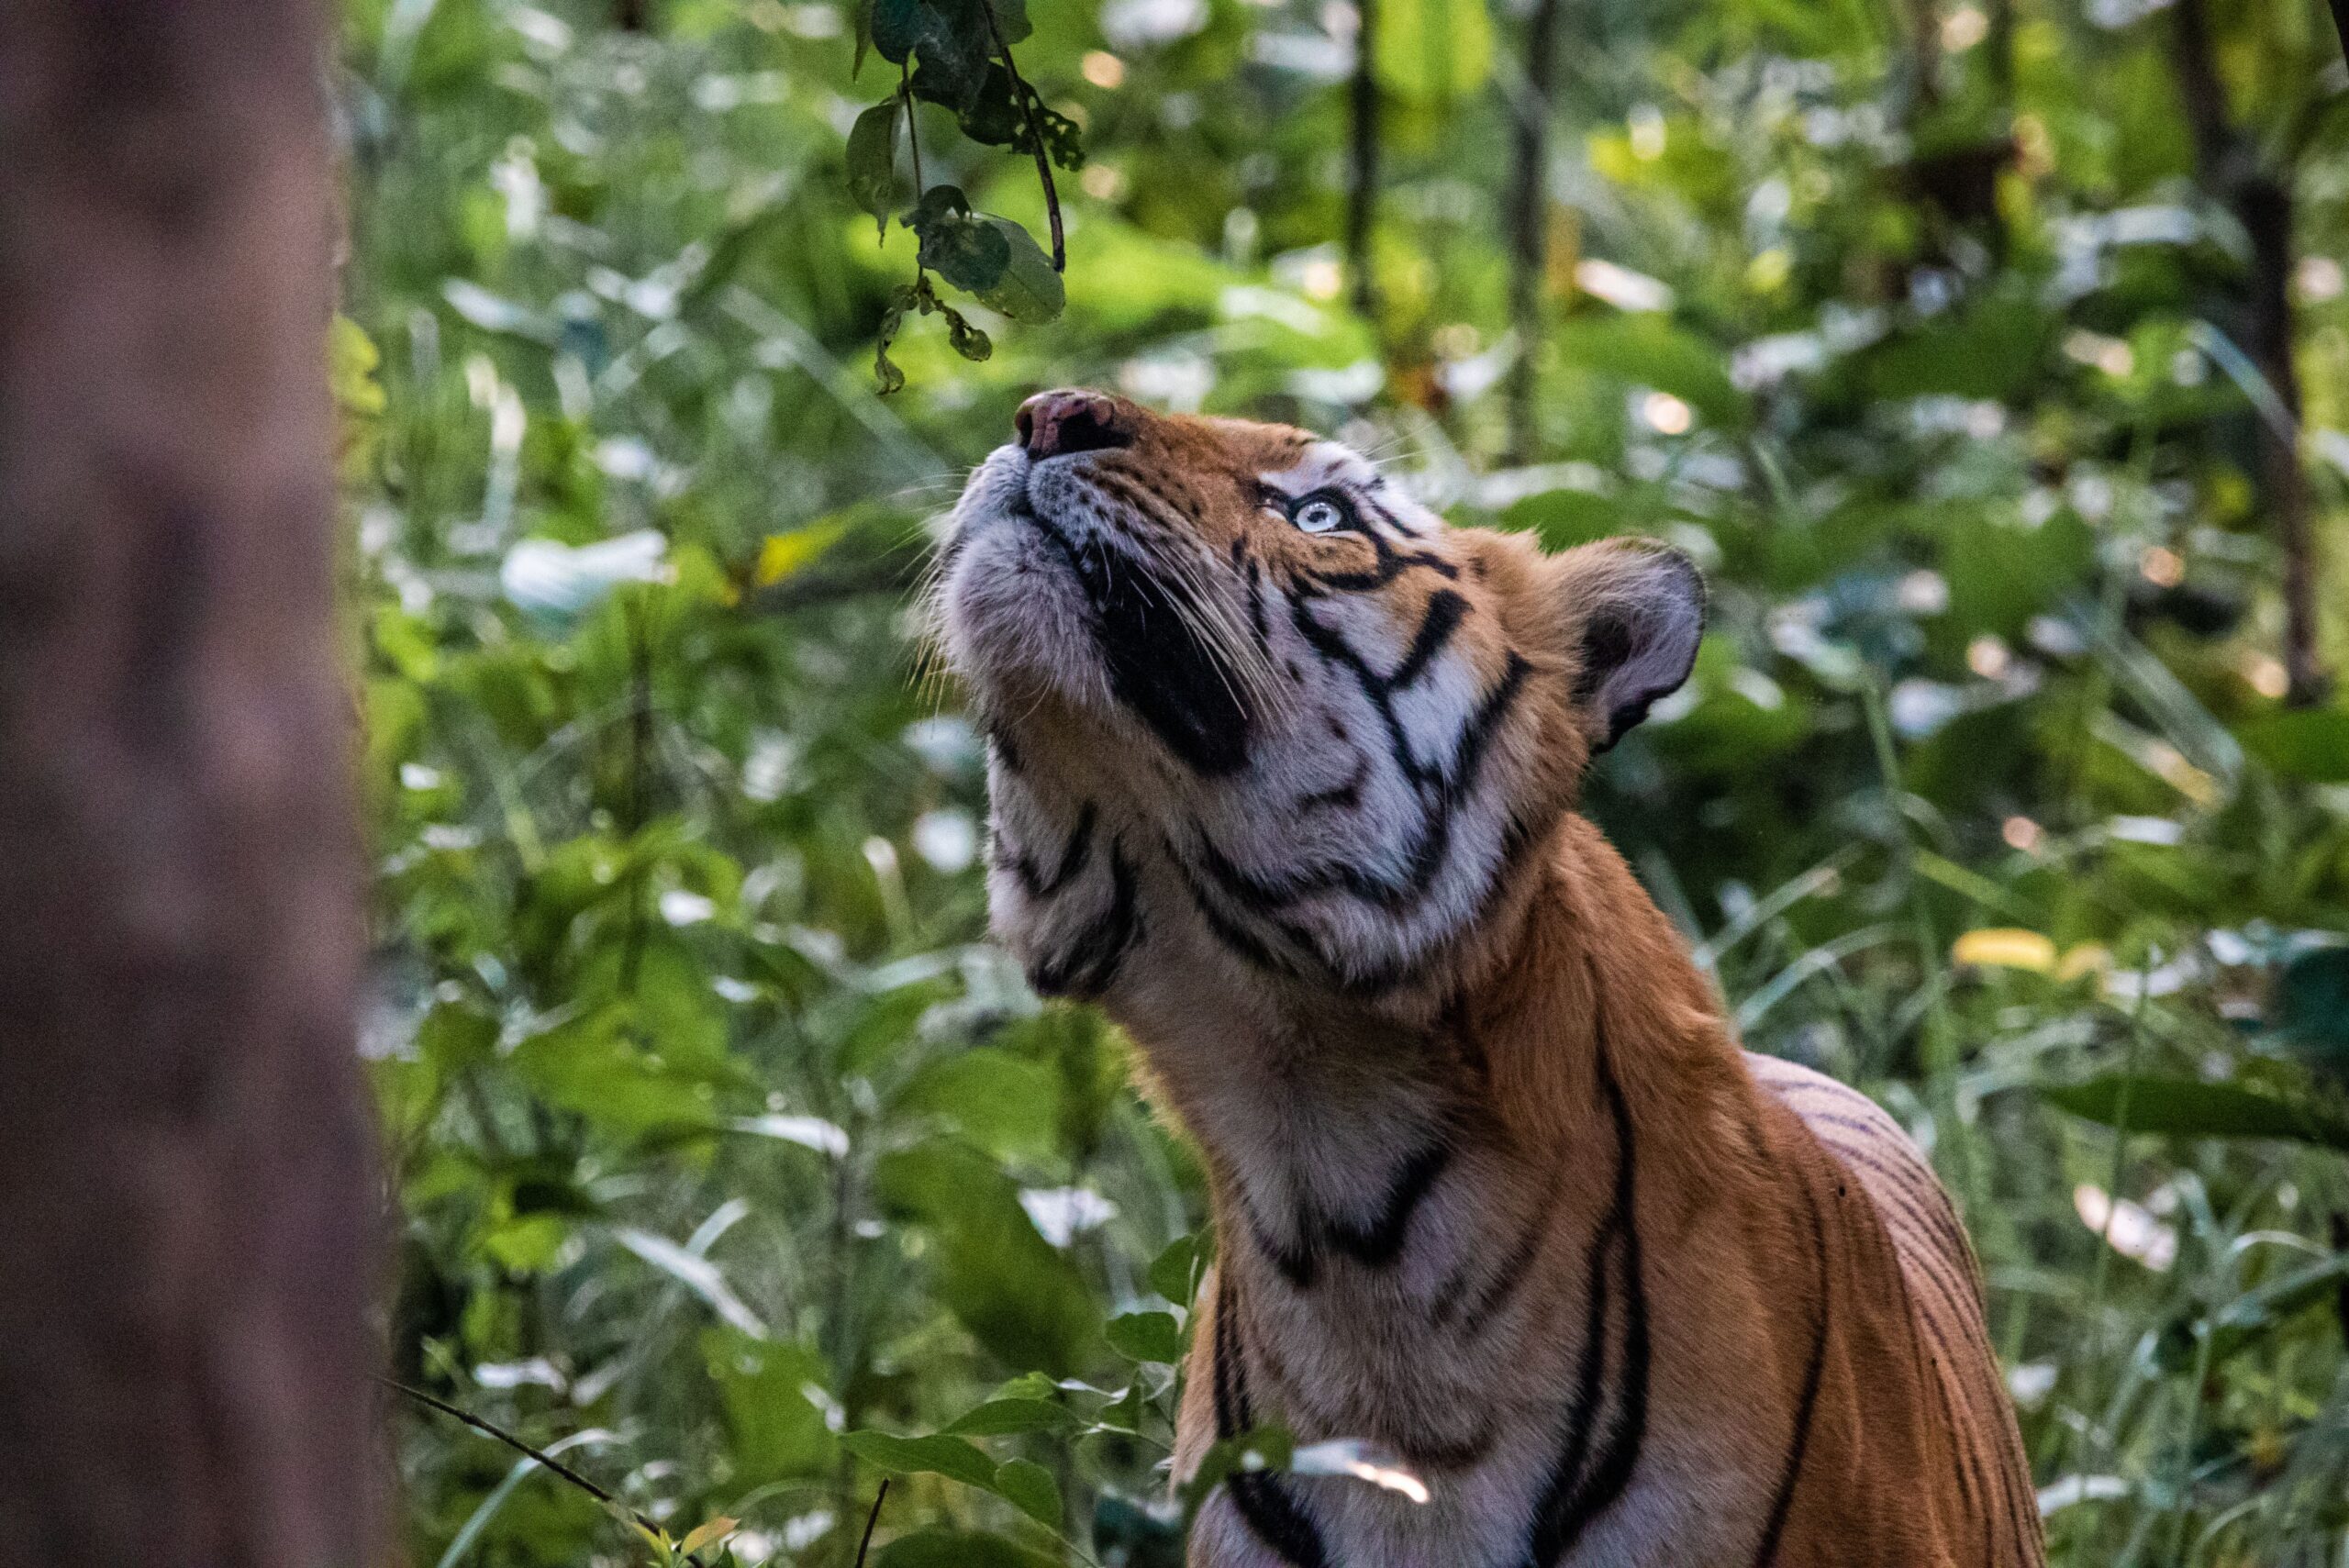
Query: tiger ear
1635, 612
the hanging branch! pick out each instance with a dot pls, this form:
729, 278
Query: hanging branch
2261, 201
1030, 106
1528, 216
1362, 194
962, 62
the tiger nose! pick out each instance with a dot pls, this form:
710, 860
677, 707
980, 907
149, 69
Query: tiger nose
1054, 424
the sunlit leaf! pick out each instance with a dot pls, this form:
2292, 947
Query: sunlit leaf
2004, 948
784, 554
1432, 51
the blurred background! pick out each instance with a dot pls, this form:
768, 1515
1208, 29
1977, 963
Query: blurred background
1990, 355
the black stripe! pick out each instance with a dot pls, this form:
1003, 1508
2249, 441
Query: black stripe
1376, 1245
1344, 797
1426, 855
1093, 959
1173, 682
1040, 884
1446, 610
1258, 622
1808, 1405
1225, 928
1577, 1493
1501, 1284
1380, 1244
1389, 566
1279, 1520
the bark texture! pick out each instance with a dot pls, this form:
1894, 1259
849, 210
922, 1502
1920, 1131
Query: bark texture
2229, 167
186, 1219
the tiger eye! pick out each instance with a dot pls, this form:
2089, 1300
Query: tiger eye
1320, 516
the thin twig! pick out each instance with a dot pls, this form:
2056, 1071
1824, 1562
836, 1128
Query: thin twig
871, 1519
912, 136
1030, 104
640, 761
510, 1440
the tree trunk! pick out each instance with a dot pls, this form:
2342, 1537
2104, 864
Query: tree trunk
187, 1218
2226, 165
1362, 159
1529, 222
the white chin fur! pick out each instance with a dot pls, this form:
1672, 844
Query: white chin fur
1014, 620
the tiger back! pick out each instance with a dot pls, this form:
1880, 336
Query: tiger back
1282, 773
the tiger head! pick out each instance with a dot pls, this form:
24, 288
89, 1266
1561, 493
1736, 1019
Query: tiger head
1248, 701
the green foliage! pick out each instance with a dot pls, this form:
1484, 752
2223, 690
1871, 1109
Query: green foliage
738, 1172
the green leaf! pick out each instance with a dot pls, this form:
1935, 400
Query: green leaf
948, 39
1007, 1104
885, 372
2310, 1009
777, 1431
964, 339
936, 1455
1029, 1487
1432, 51
1010, 19
862, 25
1177, 1272
1146, 1337
2247, 1319
1027, 289
959, 1549
968, 252
1007, 1417
2308, 743
2189, 1108
899, 27
1993, 350
708, 1532
1648, 350
1006, 1284
873, 162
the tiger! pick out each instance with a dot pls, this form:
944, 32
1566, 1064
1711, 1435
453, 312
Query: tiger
1283, 774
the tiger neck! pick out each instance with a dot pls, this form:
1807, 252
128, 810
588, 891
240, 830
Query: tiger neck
1345, 1144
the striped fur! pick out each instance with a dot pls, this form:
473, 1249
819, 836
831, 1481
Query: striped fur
1496, 1188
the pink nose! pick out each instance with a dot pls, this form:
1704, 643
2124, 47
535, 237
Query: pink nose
1054, 424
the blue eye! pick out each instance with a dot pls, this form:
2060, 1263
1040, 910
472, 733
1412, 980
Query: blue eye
1321, 512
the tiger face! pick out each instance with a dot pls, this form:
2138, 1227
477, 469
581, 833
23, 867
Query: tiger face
1246, 695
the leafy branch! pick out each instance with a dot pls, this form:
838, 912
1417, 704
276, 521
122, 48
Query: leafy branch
956, 54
